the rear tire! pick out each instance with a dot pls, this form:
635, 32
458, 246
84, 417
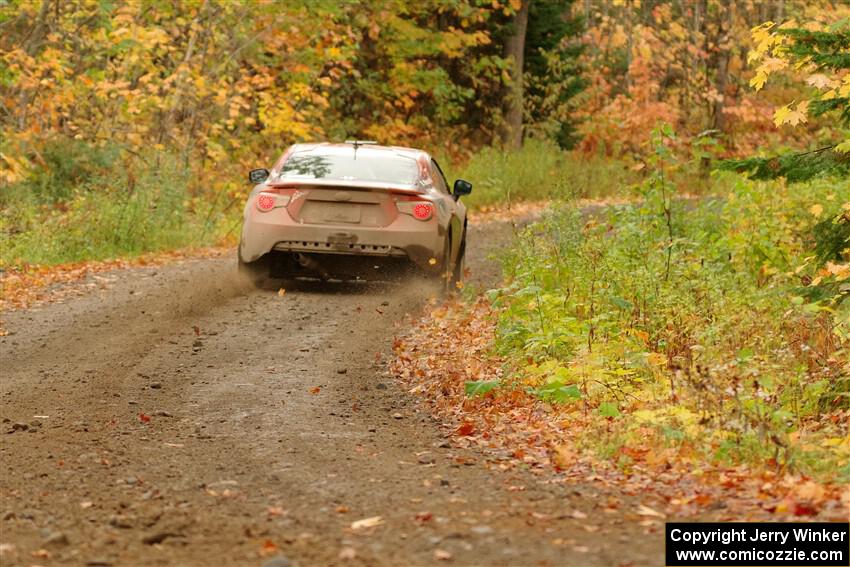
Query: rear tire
256, 272
449, 271
457, 272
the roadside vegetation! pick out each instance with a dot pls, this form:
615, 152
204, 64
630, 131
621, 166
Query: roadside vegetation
86, 206
697, 327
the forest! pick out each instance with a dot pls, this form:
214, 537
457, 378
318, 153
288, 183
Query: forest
697, 319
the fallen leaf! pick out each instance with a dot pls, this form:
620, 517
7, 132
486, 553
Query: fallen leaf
341, 509
144, 418
275, 511
466, 428
563, 457
804, 509
315, 390
811, 492
41, 554
268, 548
647, 511
372, 522
424, 516
281, 292
442, 555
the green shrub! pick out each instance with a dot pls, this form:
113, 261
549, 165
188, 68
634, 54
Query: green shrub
64, 165
697, 326
123, 211
539, 171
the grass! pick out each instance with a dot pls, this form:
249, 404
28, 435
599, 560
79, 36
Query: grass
537, 172
93, 206
715, 332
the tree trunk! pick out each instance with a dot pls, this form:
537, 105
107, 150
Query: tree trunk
514, 49
723, 48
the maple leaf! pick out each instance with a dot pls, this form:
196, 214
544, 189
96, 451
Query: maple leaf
786, 115
759, 80
821, 81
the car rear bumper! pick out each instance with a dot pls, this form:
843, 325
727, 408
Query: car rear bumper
275, 230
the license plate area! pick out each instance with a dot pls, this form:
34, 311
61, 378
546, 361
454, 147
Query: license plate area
331, 213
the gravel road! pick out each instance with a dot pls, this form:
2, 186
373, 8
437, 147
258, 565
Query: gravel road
181, 418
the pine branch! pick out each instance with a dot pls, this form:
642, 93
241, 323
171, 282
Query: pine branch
794, 167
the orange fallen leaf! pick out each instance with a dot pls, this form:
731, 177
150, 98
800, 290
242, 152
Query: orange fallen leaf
424, 516
144, 418
466, 428
315, 390
268, 548
563, 457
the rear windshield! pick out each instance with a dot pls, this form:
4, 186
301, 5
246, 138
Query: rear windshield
385, 167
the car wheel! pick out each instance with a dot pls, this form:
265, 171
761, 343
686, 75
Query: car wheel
256, 272
448, 273
457, 273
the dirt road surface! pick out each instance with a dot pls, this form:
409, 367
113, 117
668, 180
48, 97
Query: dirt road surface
182, 418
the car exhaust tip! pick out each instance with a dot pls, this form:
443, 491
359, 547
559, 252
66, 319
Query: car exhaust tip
311, 264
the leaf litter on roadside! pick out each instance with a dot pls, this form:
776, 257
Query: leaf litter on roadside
518, 429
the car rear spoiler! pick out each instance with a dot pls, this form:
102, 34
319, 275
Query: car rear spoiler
343, 184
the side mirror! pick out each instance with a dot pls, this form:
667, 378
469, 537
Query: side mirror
461, 188
258, 175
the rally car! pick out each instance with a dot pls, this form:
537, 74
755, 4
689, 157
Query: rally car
353, 210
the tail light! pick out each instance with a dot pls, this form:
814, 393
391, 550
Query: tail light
265, 202
423, 211
420, 210
268, 201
